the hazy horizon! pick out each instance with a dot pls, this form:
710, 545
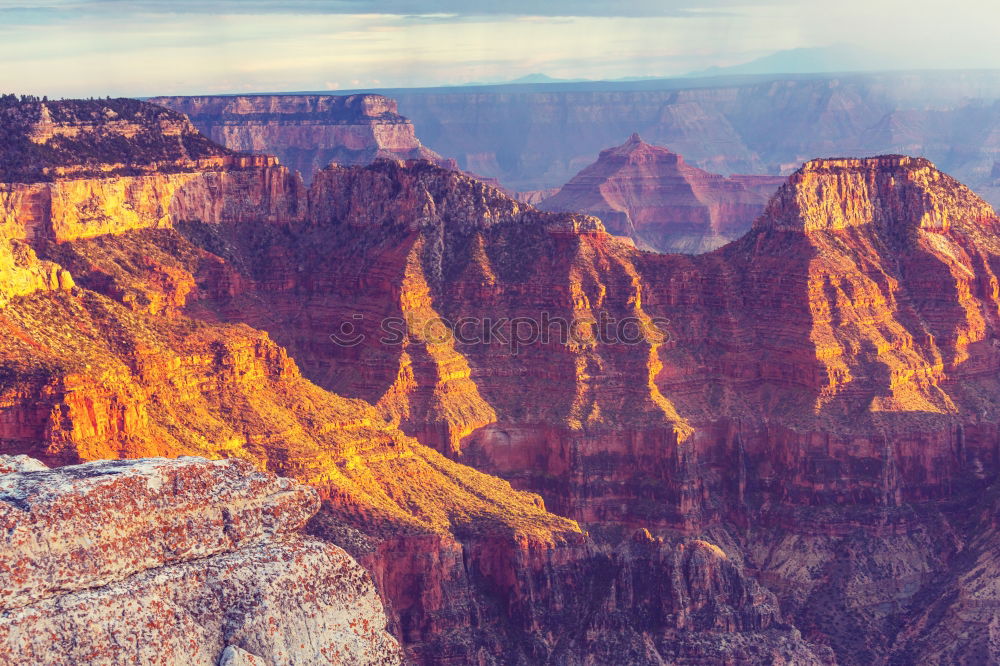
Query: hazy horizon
154, 47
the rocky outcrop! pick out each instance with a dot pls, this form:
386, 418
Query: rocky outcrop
307, 132
535, 197
23, 273
78, 169
176, 561
227, 192
652, 196
20, 463
43, 140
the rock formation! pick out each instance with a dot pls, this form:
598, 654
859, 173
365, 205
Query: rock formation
161, 561
42, 140
838, 355
532, 138
307, 132
652, 196
143, 349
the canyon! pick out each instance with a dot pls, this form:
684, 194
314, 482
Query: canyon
538, 137
139, 348
793, 461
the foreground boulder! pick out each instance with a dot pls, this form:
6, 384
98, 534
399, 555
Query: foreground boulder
162, 561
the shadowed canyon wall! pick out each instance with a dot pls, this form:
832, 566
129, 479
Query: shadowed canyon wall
824, 396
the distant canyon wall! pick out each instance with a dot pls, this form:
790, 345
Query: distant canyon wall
535, 140
307, 132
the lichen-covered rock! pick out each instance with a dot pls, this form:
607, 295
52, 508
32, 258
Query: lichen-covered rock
171, 562
292, 602
77, 527
20, 463
234, 656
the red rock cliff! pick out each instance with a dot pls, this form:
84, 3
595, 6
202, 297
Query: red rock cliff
652, 196
127, 354
817, 409
838, 355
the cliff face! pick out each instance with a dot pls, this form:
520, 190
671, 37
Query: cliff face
252, 189
537, 138
306, 132
838, 355
75, 169
176, 561
129, 354
652, 196
41, 140
468, 567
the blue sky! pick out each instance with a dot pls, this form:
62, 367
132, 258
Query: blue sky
148, 47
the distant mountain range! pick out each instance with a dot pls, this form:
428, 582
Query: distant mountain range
819, 60
806, 60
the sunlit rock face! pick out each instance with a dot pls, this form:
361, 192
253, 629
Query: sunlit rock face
128, 339
859, 304
655, 198
307, 132
176, 561
73, 169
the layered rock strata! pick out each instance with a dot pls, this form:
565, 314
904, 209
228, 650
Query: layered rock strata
134, 358
536, 137
307, 132
837, 355
652, 196
74, 169
810, 407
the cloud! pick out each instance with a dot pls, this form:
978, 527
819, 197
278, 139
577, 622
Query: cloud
148, 47
50, 10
